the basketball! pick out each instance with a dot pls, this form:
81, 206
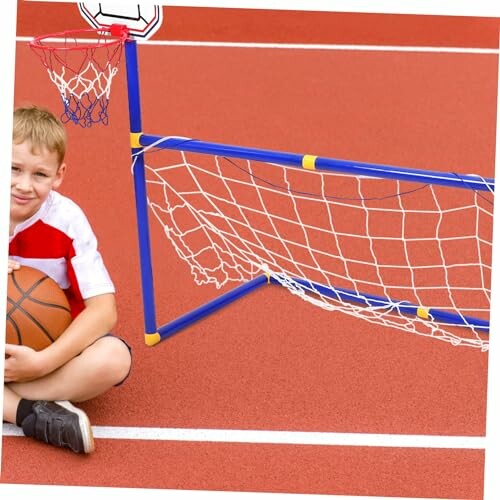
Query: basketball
37, 309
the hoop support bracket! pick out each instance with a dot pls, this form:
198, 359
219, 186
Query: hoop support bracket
118, 30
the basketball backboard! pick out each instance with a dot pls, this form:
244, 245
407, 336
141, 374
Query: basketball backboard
142, 20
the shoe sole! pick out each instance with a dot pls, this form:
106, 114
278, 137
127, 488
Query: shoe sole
84, 423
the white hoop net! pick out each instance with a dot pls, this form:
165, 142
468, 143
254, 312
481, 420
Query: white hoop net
82, 69
231, 220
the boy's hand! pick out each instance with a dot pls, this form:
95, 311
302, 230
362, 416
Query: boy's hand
12, 265
22, 364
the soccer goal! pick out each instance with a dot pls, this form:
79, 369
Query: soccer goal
408, 249
403, 248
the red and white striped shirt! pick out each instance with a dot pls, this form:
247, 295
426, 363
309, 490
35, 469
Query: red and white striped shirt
59, 241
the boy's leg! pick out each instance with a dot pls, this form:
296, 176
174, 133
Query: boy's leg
39, 406
10, 404
98, 368
57, 423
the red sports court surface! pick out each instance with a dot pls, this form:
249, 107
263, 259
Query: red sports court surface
271, 362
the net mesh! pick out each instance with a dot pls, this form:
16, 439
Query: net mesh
82, 65
314, 232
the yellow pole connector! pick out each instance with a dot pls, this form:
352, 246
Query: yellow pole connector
423, 312
152, 338
309, 162
135, 139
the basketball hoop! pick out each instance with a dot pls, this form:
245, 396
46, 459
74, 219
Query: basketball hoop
82, 64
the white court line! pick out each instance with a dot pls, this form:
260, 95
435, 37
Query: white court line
299, 46
280, 437
41, 492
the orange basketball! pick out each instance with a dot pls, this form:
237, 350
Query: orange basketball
37, 309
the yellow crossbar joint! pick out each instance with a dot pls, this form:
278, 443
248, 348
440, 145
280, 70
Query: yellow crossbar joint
135, 139
309, 162
423, 312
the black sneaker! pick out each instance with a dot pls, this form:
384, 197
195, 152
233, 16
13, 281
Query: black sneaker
59, 423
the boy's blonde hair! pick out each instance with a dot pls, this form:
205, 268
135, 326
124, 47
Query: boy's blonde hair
41, 128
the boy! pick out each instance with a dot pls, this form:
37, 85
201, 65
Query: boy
50, 232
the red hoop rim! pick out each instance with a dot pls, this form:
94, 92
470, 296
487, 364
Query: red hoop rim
108, 35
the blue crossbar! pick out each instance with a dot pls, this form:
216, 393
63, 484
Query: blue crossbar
470, 181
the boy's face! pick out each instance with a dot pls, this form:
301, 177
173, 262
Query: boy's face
34, 175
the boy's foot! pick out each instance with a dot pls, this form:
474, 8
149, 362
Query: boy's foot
59, 423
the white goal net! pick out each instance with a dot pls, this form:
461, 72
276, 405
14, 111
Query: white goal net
412, 256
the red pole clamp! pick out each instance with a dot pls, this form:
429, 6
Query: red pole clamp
118, 29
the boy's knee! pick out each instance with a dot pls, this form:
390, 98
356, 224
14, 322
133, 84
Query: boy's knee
115, 358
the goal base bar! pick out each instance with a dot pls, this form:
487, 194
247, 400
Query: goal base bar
340, 294
395, 307
205, 310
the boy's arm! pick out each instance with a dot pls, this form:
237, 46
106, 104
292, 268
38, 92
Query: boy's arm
97, 319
